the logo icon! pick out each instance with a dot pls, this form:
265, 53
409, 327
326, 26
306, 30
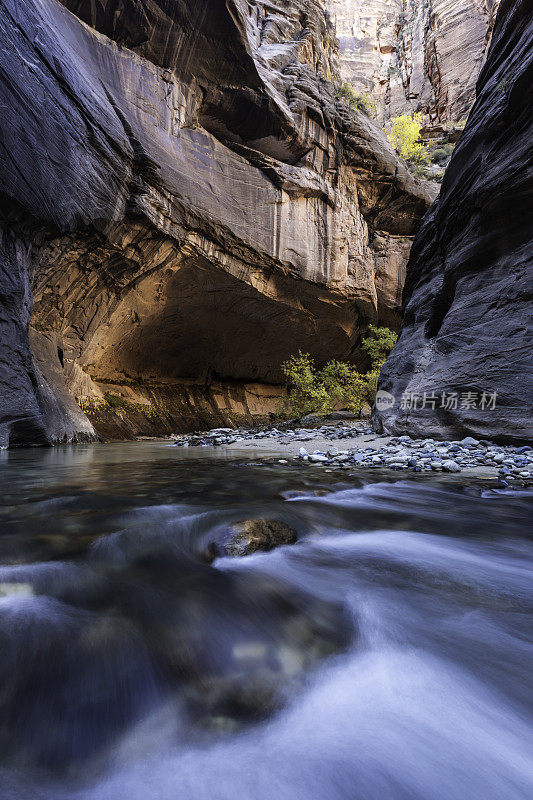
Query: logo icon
384, 400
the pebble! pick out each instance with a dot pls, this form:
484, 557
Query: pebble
509, 462
451, 466
468, 441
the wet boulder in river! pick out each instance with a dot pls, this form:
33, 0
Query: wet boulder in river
252, 535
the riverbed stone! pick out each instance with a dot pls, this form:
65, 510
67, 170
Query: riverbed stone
417, 455
252, 535
451, 466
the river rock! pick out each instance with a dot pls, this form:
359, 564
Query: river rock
252, 535
451, 466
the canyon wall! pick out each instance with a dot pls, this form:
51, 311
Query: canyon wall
183, 204
467, 330
414, 55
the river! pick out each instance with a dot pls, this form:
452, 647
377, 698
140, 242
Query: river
385, 656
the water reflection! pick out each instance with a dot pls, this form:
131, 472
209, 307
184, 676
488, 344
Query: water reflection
385, 655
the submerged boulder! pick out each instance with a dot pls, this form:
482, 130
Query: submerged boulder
252, 535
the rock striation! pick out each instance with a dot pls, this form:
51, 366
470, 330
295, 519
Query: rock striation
467, 303
414, 55
183, 204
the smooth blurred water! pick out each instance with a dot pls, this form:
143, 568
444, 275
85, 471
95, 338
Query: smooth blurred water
386, 655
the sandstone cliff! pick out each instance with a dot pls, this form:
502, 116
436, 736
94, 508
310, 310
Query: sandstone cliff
414, 55
187, 204
467, 304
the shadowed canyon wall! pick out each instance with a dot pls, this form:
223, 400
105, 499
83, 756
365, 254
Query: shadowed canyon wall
414, 55
467, 327
183, 204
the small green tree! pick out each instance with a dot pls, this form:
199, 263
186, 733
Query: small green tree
378, 344
307, 394
404, 136
319, 391
343, 383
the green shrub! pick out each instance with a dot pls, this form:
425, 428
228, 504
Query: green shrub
319, 391
355, 99
439, 156
422, 171
307, 394
115, 401
343, 384
378, 344
442, 154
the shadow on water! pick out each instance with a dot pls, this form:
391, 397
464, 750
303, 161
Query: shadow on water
386, 655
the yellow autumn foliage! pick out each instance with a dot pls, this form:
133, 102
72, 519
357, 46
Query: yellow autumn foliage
404, 136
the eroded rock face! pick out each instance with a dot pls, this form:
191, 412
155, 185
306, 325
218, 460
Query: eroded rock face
414, 55
188, 204
467, 317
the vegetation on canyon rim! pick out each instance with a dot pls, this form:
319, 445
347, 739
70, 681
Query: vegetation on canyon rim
404, 135
426, 162
313, 390
405, 130
355, 99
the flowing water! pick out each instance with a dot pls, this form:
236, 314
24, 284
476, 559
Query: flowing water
384, 656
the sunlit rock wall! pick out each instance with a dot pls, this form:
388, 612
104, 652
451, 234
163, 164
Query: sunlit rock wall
414, 55
187, 203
